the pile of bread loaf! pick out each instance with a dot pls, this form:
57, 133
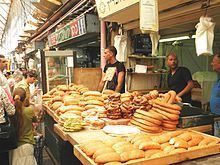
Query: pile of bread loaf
112, 105
161, 114
145, 146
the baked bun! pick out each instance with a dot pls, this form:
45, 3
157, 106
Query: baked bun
92, 93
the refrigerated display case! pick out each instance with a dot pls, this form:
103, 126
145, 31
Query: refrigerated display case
59, 68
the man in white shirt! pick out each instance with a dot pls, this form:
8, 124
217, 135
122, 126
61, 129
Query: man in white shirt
3, 80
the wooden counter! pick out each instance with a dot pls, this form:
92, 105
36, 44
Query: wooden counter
80, 136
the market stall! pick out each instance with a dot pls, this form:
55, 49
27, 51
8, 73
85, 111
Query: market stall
76, 116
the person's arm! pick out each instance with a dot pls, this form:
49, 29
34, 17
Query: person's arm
9, 107
101, 83
187, 89
121, 76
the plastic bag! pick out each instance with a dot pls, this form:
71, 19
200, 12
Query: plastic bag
120, 43
204, 36
154, 40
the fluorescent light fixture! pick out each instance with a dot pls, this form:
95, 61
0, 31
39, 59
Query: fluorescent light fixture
176, 38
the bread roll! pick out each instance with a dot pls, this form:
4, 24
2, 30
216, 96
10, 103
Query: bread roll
108, 157
161, 139
133, 154
138, 137
181, 144
186, 136
119, 144
175, 133
149, 153
92, 93
158, 155
123, 148
94, 102
111, 141
164, 145
93, 98
138, 142
205, 141
101, 151
194, 141
169, 148
178, 150
147, 145
92, 147
56, 105
108, 91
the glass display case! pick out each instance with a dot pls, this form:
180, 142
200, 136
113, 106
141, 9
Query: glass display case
59, 68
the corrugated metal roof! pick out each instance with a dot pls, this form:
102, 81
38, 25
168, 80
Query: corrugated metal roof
4, 10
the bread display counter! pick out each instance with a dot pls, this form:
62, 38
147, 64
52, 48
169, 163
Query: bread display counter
76, 115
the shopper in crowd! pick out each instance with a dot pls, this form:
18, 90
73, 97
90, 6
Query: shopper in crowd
16, 77
3, 80
118, 82
179, 79
24, 154
30, 78
5, 105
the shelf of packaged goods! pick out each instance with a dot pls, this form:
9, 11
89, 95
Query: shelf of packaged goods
146, 57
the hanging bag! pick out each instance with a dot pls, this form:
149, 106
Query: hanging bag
8, 136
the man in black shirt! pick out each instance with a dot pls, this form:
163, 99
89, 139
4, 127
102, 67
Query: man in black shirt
118, 82
179, 79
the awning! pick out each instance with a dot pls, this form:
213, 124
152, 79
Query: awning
4, 10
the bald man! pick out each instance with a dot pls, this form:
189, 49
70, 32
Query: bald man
179, 79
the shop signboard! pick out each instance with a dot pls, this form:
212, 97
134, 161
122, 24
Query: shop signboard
109, 7
73, 29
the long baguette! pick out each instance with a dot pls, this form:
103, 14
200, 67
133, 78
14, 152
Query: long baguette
170, 116
155, 116
167, 105
167, 109
150, 119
